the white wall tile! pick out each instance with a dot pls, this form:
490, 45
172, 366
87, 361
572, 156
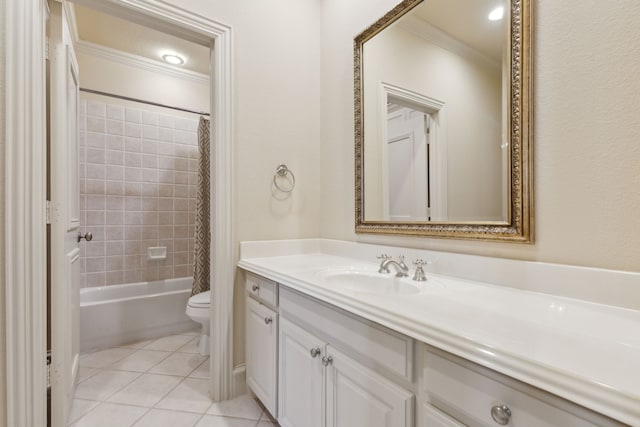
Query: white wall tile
131, 180
132, 115
115, 112
97, 109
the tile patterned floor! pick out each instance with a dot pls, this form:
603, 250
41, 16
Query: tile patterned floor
156, 383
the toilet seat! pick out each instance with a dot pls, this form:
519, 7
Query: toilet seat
201, 300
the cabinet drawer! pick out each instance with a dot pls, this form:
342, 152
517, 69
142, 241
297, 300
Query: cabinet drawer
469, 393
377, 347
264, 290
432, 417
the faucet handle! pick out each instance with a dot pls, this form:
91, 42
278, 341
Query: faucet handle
420, 262
419, 275
383, 267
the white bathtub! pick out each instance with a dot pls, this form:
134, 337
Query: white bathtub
119, 314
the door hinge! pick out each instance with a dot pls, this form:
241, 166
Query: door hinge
48, 373
48, 213
46, 48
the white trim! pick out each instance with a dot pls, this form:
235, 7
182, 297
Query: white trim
438, 166
72, 22
239, 380
25, 229
98, 51
442, 39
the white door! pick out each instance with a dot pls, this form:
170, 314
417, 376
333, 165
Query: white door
262, 351
359, 397
301, 378
65, 216
408, 165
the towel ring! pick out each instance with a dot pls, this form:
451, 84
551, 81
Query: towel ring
282, 171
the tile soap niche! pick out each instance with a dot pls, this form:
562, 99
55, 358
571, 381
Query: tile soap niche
157, 252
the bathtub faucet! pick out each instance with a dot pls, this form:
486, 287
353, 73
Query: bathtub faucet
401, 268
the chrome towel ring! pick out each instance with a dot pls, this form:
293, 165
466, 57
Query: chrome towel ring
281, 172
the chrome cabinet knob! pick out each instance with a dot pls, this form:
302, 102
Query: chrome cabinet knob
501, 414
327, 360
255, 288
267, 320
86, 236
315, 352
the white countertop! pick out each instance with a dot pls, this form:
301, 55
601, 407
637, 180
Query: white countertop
585, 352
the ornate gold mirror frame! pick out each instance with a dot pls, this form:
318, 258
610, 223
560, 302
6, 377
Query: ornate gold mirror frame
519, 227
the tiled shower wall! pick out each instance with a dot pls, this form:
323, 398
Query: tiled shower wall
138, 178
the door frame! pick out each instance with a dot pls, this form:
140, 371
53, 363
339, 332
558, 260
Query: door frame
24, 249
438, 141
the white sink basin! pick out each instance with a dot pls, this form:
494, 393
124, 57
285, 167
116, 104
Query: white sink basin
369, 282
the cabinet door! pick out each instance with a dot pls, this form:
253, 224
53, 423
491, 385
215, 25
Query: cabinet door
300, 385
359, 397
261, 353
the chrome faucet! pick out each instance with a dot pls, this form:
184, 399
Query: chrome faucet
401, 268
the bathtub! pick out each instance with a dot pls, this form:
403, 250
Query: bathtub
119, 314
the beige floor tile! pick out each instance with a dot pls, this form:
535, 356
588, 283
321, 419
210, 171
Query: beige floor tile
79, 407
191, 346
141, 360
165, 418
191, 395
111, 415
104, 358
169, 343
146, 390
137, 344
243, 406
103, 385
180, 364
85, 373
201, 371
215, 421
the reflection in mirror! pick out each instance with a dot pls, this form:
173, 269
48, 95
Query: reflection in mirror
434, 82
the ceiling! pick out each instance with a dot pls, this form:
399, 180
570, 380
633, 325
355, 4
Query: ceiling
119, 34
466, 21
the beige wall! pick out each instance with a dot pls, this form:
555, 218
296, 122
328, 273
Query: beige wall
587, 128
276, 119
3, 400
112, 77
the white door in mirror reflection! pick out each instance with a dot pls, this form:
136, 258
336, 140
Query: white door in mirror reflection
408, 192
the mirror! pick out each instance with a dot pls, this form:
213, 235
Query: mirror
442, 121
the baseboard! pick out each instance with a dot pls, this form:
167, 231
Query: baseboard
239, 380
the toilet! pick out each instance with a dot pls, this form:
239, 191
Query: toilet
199, 309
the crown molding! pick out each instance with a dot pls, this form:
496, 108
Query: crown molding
434, 35
91, 49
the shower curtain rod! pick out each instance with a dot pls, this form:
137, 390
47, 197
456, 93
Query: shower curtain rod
128, 98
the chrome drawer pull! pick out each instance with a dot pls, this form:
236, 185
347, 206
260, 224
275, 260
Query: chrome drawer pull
267, 320
315, 352
326, 360
255, 288
501, 414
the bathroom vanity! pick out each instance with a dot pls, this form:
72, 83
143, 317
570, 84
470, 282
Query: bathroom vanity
323, 349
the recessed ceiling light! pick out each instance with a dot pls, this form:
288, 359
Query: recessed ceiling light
496, 14
172, 59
